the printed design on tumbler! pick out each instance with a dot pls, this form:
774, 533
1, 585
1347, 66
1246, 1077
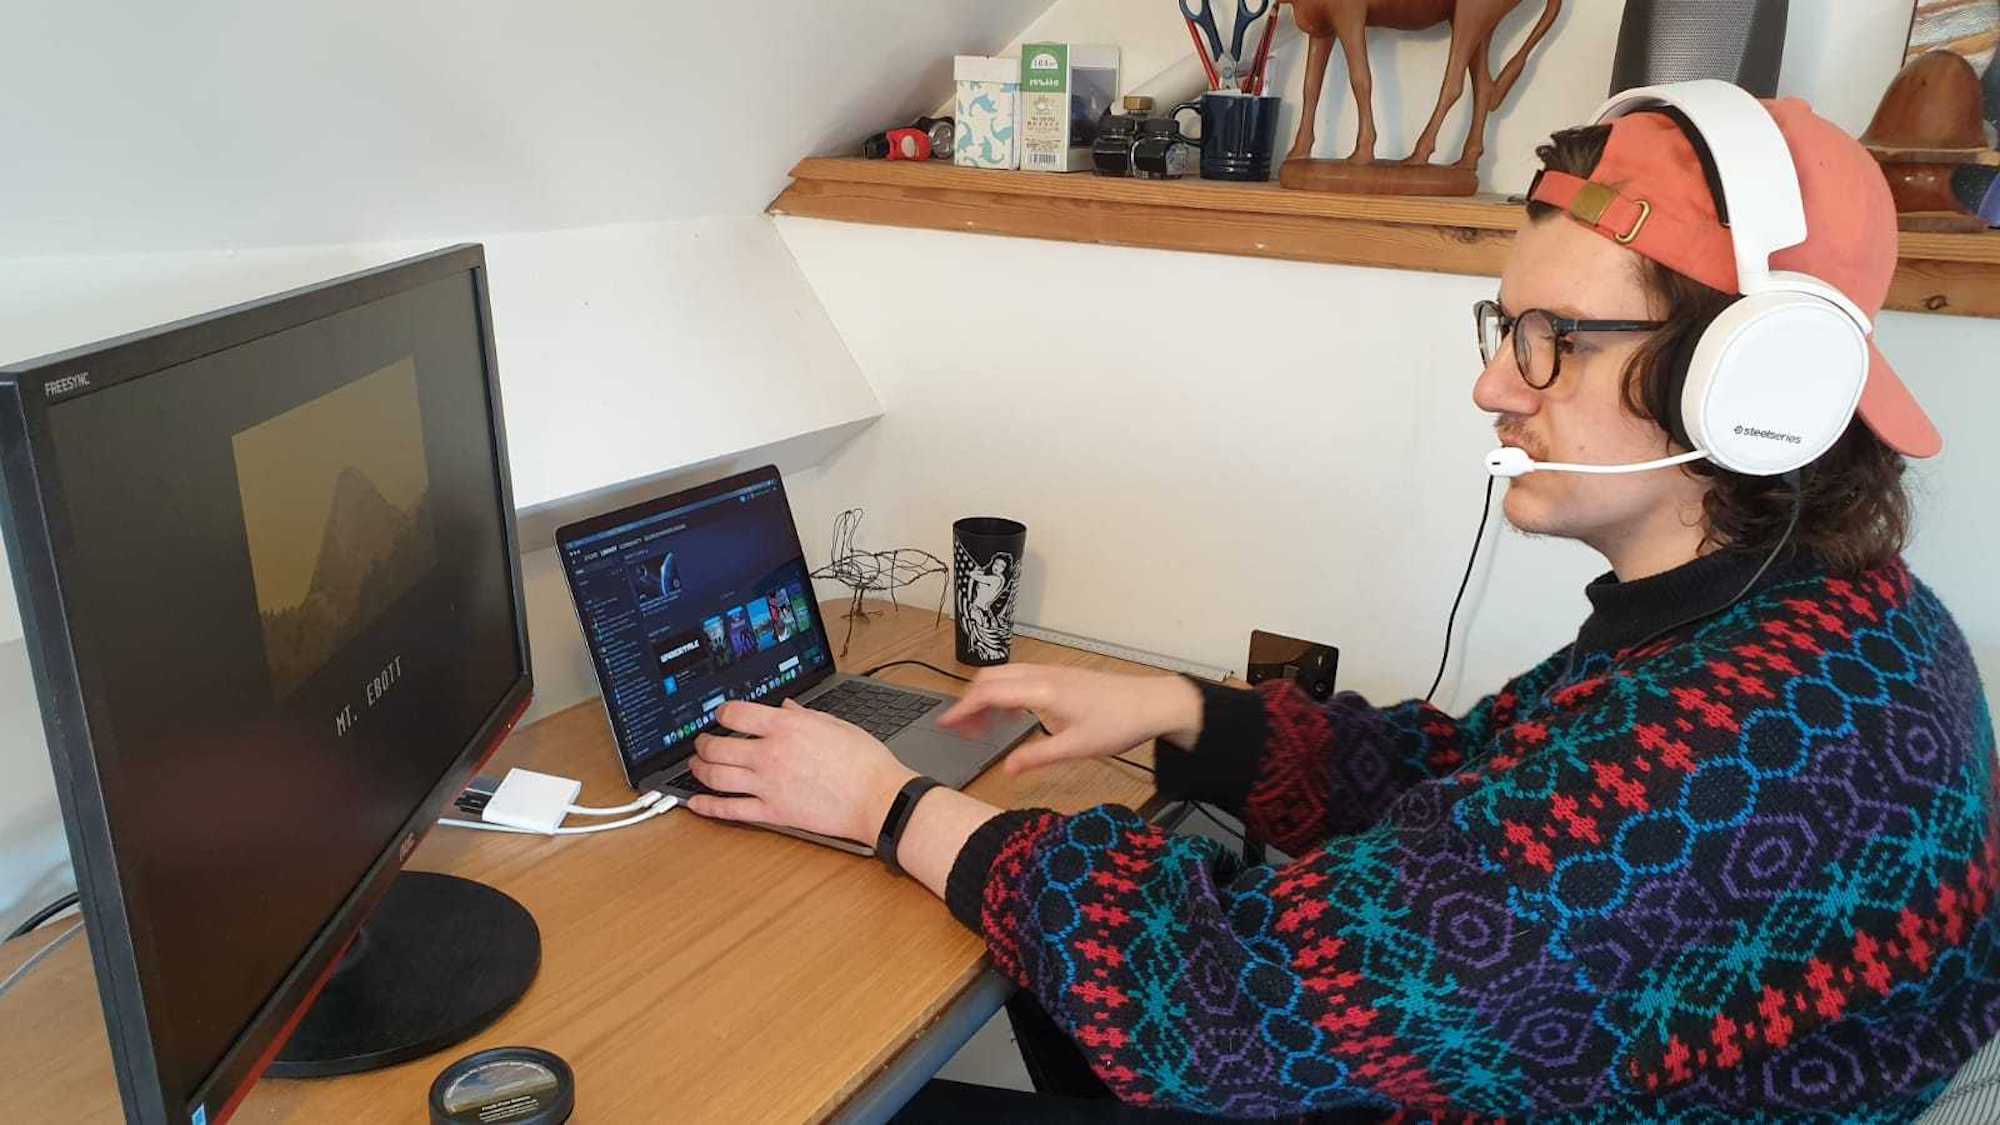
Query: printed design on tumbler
986, 601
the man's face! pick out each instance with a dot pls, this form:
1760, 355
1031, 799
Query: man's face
1560, 267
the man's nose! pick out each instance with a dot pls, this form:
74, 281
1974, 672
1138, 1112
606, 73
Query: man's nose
1500, 388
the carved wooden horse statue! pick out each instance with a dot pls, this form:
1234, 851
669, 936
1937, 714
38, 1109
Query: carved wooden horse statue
1472, 26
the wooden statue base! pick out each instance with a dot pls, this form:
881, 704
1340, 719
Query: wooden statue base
1940, 222
1380, 177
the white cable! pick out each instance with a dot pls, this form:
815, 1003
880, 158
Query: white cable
14, 977
1640, 467
645, 800
658, 806
1512, 461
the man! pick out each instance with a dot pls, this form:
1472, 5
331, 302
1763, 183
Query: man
1730, 854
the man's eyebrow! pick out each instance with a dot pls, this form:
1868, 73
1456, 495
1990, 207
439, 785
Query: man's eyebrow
1570, 312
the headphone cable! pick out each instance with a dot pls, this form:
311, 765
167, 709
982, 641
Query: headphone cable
1485, 512
1796, 479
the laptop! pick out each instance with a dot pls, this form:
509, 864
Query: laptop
703, 596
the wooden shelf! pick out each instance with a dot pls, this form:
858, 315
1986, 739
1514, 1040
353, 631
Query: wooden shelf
1943, 273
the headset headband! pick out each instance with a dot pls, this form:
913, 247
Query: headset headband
1754, 165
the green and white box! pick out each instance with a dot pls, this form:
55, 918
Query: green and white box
987, 134
1066, 88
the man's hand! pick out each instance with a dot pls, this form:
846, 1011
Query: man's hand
1089, 714
800, 769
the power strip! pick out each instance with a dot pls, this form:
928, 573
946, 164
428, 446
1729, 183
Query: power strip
1125, 652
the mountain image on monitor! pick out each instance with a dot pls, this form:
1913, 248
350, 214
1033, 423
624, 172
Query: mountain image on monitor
336, 511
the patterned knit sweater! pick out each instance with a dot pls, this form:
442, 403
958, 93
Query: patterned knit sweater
1744, 871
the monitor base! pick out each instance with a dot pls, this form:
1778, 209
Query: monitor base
439, 960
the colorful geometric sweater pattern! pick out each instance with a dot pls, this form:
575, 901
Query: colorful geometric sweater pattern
1746, 871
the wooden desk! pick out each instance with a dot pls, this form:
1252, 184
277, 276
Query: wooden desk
691, 971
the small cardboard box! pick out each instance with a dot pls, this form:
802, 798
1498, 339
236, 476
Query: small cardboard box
987, 133
1065, 89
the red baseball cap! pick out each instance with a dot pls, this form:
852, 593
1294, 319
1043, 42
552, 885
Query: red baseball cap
1659, 206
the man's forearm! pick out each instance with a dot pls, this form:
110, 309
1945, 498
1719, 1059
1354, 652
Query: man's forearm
937, 832
1180, 709
946, 818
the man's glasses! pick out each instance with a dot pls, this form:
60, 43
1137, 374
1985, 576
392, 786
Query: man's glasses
1540, 338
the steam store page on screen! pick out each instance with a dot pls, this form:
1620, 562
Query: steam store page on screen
692, 607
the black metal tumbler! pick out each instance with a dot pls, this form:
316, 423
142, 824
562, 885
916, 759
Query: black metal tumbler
985, 576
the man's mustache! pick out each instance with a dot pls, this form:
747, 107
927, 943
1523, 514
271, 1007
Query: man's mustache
1511, 433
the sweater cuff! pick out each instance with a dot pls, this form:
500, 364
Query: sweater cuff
965, 887
1225, 760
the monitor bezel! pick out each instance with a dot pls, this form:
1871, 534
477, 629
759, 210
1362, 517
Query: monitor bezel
639, 767
38, 539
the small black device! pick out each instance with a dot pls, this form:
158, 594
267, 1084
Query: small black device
1162, 152
515, 1085
1111, 153
940, 130
898, 819
1307, 663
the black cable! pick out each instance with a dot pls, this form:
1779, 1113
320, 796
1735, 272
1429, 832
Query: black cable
1485, 511
44, 914
919, 664
1216, 820
1796, 479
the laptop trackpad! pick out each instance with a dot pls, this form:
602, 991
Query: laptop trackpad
954, 759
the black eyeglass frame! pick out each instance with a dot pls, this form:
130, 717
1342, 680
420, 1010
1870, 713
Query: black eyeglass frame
1560, 327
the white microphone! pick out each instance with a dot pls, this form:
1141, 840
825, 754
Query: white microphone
1511, 461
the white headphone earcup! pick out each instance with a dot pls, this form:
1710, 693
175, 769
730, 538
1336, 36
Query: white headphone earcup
1774, 382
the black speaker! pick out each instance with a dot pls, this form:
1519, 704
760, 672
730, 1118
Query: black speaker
1740, 41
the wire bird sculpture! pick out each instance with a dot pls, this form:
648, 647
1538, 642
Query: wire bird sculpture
874, 572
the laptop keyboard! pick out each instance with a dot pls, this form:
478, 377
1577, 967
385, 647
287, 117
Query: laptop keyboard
688, 782
880, 711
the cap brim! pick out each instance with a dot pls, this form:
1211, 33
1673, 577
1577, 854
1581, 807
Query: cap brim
1892, 411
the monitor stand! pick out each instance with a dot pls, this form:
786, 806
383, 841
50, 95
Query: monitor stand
438, 960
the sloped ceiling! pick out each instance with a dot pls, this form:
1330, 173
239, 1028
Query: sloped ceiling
144, 127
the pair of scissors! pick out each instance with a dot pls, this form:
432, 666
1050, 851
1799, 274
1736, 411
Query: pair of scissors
1226, 64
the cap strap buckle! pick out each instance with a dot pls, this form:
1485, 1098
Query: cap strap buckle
1593, 200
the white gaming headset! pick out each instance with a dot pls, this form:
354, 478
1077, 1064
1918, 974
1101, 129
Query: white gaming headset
1775, 379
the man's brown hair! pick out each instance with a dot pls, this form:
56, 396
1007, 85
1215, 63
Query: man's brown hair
1854, 513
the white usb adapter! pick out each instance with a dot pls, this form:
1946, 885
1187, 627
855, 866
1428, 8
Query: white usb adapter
534, 802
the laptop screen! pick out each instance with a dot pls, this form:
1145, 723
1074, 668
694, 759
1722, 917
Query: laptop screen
690, 600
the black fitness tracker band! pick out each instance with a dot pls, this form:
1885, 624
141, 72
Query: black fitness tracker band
899, 818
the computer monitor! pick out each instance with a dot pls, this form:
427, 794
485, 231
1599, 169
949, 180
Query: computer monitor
268, 573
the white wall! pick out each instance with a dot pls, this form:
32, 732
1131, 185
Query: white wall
134, 126
1201, 445
613, 155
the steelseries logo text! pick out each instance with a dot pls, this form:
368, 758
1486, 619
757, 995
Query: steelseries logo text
66, 384
1773, 435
